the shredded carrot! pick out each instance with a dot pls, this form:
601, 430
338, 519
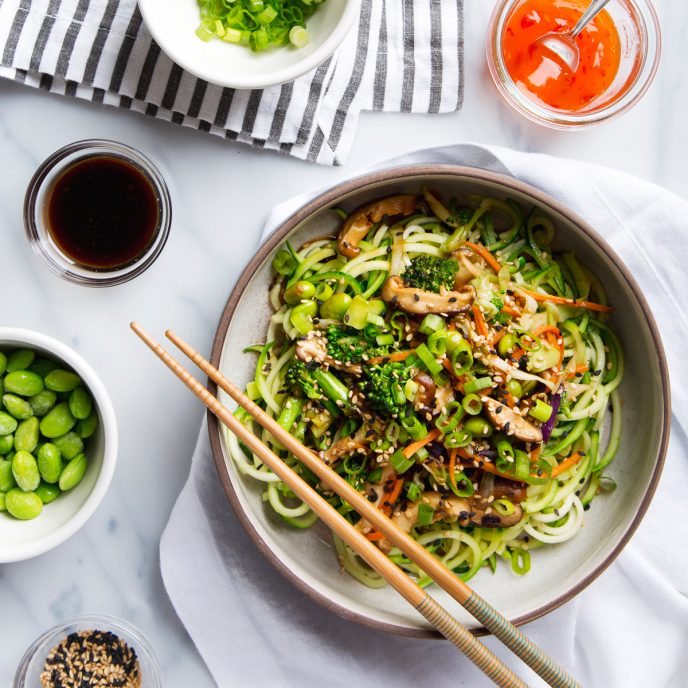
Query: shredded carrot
543, 329
569, 302
374, 535
412, 448
388, 499
513, 312
534, 456
566, 464
398, 356
517, 355
452, 468
480, 324
580, 369
484, 254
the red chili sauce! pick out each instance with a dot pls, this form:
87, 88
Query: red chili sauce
544, 77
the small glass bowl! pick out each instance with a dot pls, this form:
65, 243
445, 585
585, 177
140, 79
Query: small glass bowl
32, 663
639, 32
35, 206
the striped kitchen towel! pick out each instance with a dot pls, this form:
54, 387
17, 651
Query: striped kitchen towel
403, 56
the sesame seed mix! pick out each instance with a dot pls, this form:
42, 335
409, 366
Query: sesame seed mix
91, 659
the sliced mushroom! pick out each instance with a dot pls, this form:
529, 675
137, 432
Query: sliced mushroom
422, 302
362, 219
452, 509
504, 418
425, 396
313, 348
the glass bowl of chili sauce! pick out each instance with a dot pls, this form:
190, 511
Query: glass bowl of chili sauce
619, 53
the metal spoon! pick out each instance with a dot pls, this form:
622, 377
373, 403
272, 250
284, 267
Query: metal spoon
563, 45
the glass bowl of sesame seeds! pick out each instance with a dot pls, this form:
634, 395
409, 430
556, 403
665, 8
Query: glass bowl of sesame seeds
92, 651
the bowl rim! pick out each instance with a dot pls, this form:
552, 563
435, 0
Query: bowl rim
109, 420
408, 173
253, 81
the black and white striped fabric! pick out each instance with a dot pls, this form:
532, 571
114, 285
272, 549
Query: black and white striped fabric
403, 55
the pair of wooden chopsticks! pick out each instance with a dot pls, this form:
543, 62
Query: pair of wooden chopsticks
498, 625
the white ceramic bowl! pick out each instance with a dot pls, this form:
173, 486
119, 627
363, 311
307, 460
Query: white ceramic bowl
558, 572
60, 519
173, 23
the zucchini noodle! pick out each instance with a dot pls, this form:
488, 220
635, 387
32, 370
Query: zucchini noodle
450, 366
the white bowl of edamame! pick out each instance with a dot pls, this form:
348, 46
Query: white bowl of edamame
58, 443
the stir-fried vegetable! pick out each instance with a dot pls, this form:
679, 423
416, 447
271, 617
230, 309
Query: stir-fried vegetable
454, 368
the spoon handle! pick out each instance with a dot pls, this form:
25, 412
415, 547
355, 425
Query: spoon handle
593, 8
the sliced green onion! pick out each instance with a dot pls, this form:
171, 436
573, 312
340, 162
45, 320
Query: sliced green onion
428, 359
437, 343
354, 469
461, 357
356, 315
425, 515
431, 323
503, 507
450, 417
384, 339
416, 429
400, 463
301, 316
521, 465
541, 411
506, 457
477, 384
472, 404
464, 485
413, 492
458, 439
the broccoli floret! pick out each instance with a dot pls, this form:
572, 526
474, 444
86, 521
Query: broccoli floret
383, 386
430, 273
299, 377
461, 217
348, 346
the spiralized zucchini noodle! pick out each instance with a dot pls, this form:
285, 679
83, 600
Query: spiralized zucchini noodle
453, 368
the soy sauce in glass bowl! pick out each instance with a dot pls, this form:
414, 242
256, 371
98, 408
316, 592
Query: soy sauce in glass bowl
97, 213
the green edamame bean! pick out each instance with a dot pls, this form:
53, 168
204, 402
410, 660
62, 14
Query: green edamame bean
49, 463
47, 493
24, 383
8, 424
85, 428
506, 344
73, 472
43, 402
3, 363
299, 291
18, 407
2, 502
6, 443
58, 421
20, 359
335, 307
514, 388
43, 366
69, 445
26, 436
478, 427
25, 471
80, 403
7, 481
23, 505
61, 380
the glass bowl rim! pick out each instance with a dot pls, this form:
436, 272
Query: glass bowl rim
650, 33
107, 622
98, 278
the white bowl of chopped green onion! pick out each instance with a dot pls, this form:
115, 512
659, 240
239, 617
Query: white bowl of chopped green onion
249, 44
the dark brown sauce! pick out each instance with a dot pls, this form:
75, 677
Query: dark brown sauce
103, 212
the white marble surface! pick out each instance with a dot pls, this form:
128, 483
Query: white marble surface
221, 193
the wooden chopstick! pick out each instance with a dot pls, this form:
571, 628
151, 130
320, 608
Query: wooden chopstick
498, 625
463, 639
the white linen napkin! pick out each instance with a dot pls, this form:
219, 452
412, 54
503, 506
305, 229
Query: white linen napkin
629, 628
402, 55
